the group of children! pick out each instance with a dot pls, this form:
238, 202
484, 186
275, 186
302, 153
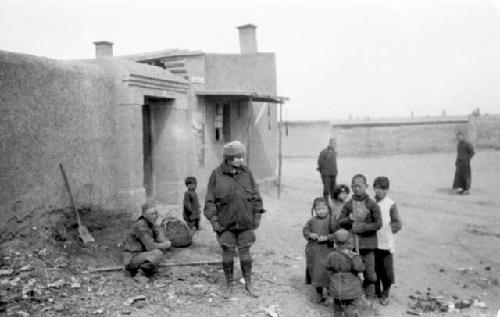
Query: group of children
352, 236
345, 238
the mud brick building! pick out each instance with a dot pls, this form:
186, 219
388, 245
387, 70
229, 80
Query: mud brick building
129, 127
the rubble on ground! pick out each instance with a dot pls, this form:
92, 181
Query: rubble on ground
429, 302
40, 275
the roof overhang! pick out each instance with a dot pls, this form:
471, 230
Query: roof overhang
242, 94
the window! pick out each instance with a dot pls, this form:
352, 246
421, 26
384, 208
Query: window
219, 119
222, 125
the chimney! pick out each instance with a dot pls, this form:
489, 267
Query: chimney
103, 49
248, 41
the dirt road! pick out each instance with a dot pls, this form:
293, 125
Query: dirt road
441, 232
448, 243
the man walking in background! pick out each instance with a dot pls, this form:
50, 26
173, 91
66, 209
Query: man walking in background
327, 167
465, 152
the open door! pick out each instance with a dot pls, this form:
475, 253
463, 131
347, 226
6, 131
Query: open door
147, 141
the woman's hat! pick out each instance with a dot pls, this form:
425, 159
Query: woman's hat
234, 148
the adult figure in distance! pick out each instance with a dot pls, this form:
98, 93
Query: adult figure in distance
327, 167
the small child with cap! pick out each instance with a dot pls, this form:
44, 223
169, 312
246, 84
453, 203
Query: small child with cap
345, 285
192, 209
318, 231
143, 249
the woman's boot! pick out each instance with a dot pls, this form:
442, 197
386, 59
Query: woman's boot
246, 269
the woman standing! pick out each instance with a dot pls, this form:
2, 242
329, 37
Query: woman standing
234, 207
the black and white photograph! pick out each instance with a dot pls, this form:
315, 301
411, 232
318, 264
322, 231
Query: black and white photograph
263, 158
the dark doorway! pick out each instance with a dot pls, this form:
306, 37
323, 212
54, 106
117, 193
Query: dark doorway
226, 125
147, 141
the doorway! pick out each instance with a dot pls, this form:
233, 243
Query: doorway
147, 143
159, 127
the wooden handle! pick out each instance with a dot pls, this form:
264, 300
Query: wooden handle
70, 195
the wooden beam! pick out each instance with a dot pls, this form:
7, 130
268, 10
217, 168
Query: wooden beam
112, 268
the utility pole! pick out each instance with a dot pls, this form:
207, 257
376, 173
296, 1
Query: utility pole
280, 148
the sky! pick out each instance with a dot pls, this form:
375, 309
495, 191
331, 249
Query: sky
335, 58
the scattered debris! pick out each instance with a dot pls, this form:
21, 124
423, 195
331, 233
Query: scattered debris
135, 299
272, 311
25, 268
74, 282
6, 272
413, 312
480, 304
59, 307
463, 304
422, 304
14, 281
56, 284
465, 269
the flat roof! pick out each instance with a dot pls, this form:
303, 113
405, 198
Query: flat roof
246, 94
147, 56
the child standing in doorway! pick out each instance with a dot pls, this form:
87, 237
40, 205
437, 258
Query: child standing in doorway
318, 231
391, 224
192, 210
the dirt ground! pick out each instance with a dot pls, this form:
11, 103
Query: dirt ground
448, 243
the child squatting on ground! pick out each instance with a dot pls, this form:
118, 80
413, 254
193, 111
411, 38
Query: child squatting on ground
192, 209
143, 249
345, 285
361, 214
391, 223
318, 231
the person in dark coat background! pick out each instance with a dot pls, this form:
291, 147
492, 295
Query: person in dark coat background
465, 152
327, 167
233, 206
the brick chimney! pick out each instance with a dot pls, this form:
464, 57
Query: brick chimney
103, 49
248, 41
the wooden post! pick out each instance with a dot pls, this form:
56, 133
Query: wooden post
280, 148
250, 112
